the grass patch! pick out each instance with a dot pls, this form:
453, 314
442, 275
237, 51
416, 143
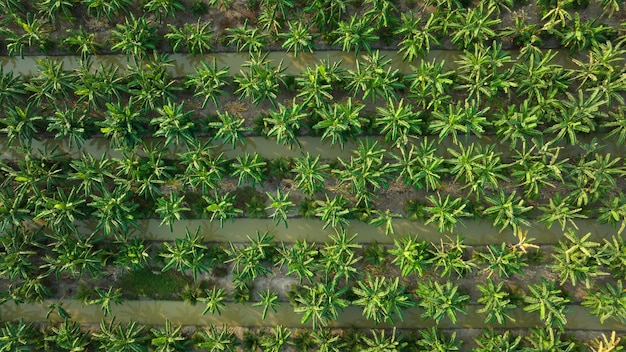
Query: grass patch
146, 283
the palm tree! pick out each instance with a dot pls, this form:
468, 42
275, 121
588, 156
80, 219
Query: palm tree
170, 209
122, 124
381, 299
60, 212
99, 85
261, 80
503, 260
115, 337
215, 339
548, 340
195, 39
547, 299
429, 84
269, 300
230, 128
150, 84
441, 300
433, 340
188, 253
132, 255
607, 302
214, 300
168, 339
338, 257
315, 85
21, 124
174, 124
495, 341
380, 343
208, 81
372, 79
82, 41
333, 212
496, 301
248, 261
134, 37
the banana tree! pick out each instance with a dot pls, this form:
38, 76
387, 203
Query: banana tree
150, 84
518, 123
123, 124
321, 303
560, 210
503, 260
115, 211
463, 118
301, 259
473, 26
98, 85
108, 8
208, 82
82, 41
222, 207
19, 336
449, 257
420, 167
174, 124
21, 124
216, 339
355, 35
91, 173
68, 124
284, 123
11, 88
67, 336
381, 299
163, 8
507, 211
446, 212
170, 209
577, 259
608, 302
35, 32
260, 80
340, 121
429, 84
548, 300
196, 39
52, 83
497, 303
280, 204
116, 337
252, 39
441, 301
249, 168
297, 38
371, 78
398, 123
135, 37
168, 339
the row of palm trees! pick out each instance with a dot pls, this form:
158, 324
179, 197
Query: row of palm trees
350, 26
114, 336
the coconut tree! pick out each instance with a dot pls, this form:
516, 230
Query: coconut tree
381, 299
188, 253
108, 8
214, 339
19, 336
301, 259
259, 80
284, 123
355, 35
371, 78
208, 81
115, 337
548, 300
251, 39
196, 39
135, 37
497, 303
340, 121
298, 38
34, 32
440, 300
170, 209
168, 339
